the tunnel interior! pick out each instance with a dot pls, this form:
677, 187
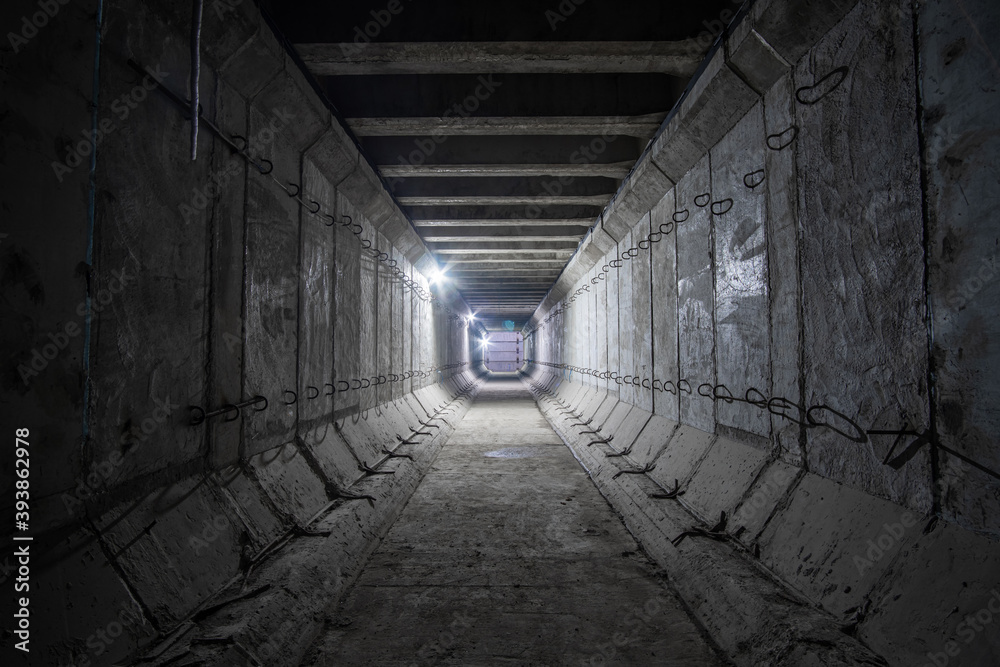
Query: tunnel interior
412, 333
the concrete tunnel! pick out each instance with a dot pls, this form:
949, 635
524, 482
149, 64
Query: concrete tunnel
564, 332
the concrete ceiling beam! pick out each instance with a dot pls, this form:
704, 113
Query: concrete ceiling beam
504, 245
491, 273
618, 170
493, 285
523, 238
499, 149
511, 280
504, 253
532, 187
506, 287
631, 126
679, 58
490, 200
506, 232
548, 260
585, 222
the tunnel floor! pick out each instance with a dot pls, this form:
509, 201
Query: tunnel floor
507, 554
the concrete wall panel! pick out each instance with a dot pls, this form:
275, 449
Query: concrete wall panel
626, 319
316, 310
663, 255
271, 292
229, 174
862, 258
642, 332
347, 312
695, 301
209, 285
782, 233
741, 279
962, 141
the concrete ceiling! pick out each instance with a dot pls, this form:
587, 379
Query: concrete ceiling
502, 129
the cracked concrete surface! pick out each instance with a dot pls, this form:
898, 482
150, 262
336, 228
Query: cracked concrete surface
507, 554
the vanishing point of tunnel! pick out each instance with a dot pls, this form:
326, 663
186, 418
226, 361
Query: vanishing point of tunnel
541, 332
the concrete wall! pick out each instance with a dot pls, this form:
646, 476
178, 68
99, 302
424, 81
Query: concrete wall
822, 243
505, 352
141, 283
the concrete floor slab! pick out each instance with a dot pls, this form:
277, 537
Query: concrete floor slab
503, 565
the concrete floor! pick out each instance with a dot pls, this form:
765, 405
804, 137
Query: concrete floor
508, 555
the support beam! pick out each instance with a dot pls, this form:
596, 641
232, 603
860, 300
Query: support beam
513, 280
494, 274
504, 233
474, 246
618, 170
630, 126
531, 186
525, 238
475, 254
497, 298
495, 301
511, 311
587, 222
546, 283
500, 288
677, 58
486, 200
507, 309
461, 273
544, 149
530, 295
495, 285
521, 262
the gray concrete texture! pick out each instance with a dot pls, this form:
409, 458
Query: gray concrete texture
823, 197
220, 287
500, 554
822, 252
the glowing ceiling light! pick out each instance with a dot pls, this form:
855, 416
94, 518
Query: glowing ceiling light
438, 276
